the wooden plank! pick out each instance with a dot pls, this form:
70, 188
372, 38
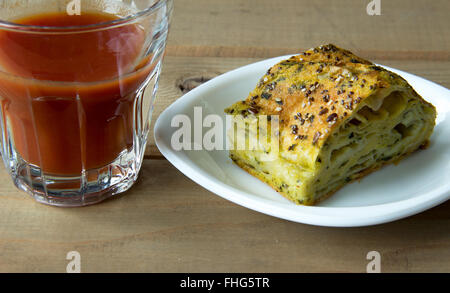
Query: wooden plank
167, 223
255, 52
266, 28
178, 70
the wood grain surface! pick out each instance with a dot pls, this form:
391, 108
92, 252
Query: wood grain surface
167, 223
153, 228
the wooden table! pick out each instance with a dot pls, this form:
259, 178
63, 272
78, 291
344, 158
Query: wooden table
167, 223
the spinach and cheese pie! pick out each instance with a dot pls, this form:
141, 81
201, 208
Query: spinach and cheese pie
340, 117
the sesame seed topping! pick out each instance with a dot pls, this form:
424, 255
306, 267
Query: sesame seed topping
332, 118
316, 137
253, 111
323, 111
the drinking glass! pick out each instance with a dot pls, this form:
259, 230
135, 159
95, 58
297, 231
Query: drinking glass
76, 100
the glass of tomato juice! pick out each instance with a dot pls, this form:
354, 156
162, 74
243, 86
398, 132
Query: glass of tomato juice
77, 85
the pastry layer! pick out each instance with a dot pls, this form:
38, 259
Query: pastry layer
340, 118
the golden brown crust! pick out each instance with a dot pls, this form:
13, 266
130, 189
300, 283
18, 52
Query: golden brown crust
314, 93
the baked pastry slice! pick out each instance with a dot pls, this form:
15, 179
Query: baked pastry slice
339, 118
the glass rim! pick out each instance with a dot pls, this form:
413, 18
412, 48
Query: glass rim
101, 25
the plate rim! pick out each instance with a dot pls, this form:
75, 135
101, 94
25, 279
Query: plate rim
312, 215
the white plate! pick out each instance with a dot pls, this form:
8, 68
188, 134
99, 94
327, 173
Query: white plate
418, 183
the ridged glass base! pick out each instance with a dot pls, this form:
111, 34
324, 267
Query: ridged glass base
91, 187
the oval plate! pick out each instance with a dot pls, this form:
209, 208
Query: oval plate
417, 183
